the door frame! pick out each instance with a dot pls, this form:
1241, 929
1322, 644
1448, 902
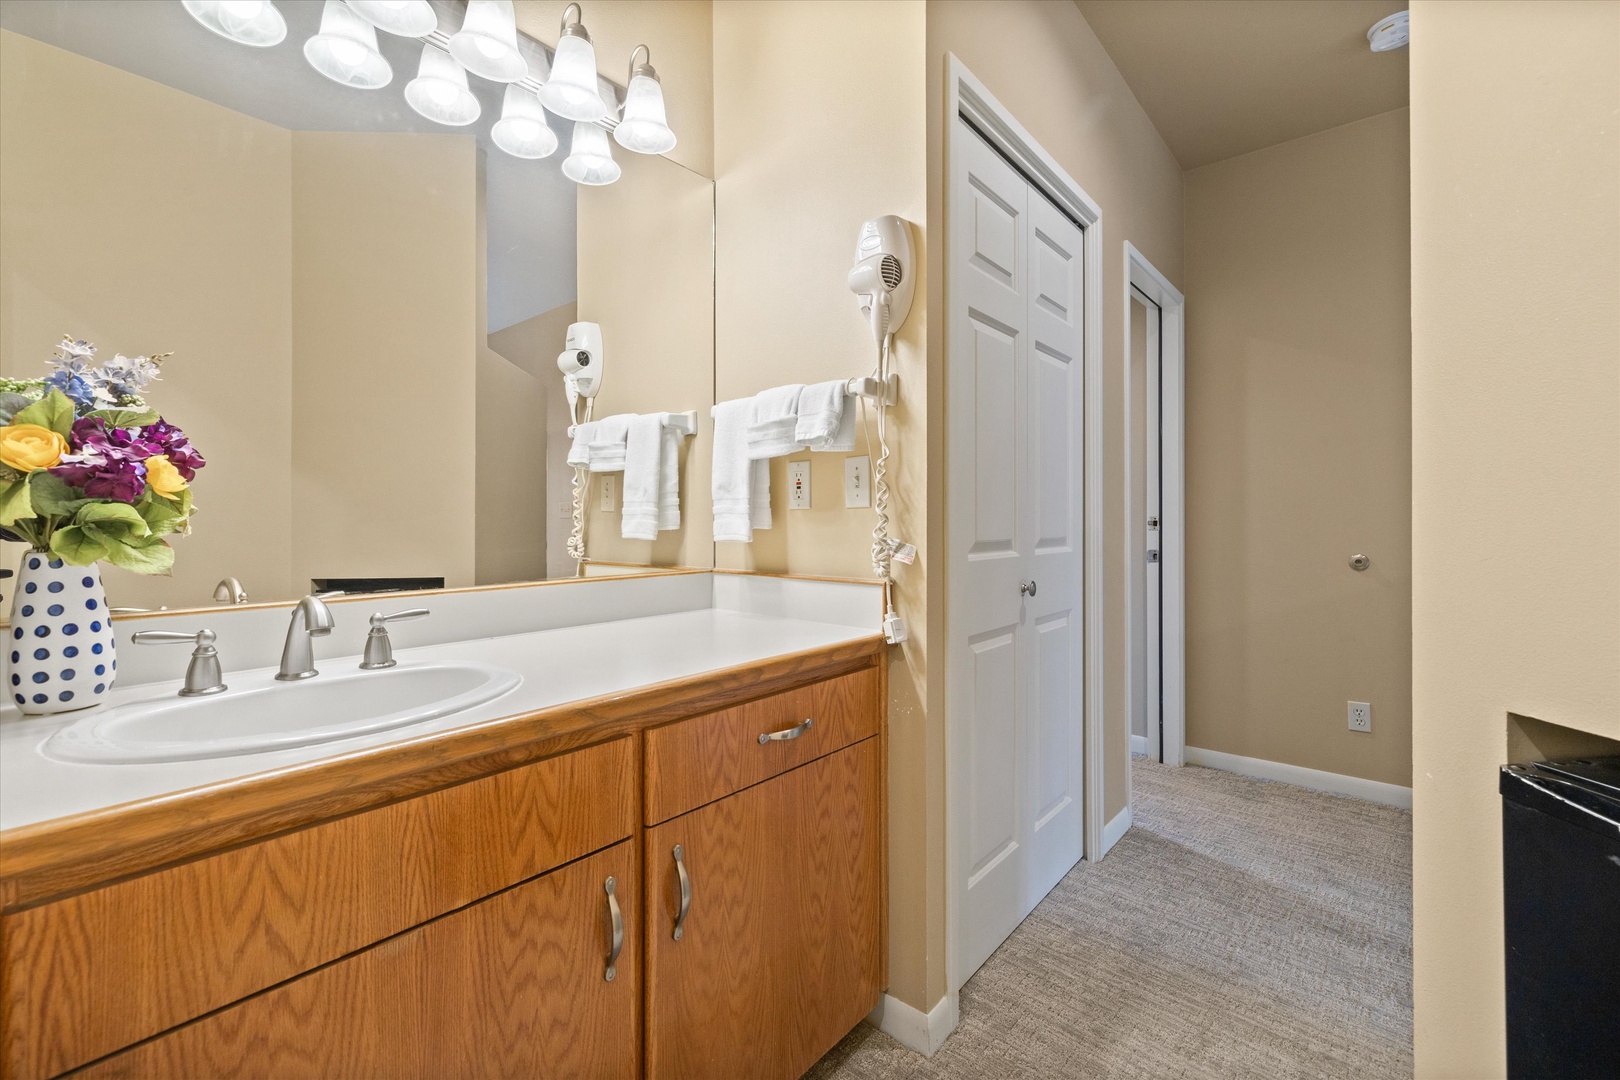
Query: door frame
968, 98
1143, 276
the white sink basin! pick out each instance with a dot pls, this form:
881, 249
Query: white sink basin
262, 715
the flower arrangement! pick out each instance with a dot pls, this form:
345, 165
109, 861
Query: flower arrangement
89, 471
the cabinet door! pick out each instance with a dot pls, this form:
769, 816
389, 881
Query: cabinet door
511, 986
780, 950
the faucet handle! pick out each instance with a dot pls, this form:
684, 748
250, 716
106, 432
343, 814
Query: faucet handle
203, 674
379, 650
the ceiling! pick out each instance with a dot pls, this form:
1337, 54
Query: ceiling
1220, 78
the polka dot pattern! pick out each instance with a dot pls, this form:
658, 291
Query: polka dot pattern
56, 604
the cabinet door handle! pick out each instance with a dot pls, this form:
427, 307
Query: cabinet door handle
617, 918
791, 733
686, 890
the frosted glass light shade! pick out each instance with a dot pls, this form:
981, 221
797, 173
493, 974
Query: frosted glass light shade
439, 91
590, 158
345, 50
571, 91
522, 130
246, 22
407, 18
487, 45
644, 128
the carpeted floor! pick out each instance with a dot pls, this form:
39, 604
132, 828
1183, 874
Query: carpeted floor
1239, 929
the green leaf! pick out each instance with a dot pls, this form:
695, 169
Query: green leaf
126, 418
11, 404
113, 520
15, 502
52, 496
146, 556
77, 545
53, 411
161, 515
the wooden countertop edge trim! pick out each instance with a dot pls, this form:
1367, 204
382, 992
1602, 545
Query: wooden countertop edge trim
50, 859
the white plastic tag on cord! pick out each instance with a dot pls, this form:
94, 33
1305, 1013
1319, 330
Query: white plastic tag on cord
903, 553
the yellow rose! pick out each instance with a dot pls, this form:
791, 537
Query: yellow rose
27, 447
164, 477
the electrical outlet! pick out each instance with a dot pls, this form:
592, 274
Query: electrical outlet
606, 480
798, 485
1360, 716
857, 482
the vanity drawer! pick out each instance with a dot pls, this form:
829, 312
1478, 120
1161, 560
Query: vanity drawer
693, 762
96, 972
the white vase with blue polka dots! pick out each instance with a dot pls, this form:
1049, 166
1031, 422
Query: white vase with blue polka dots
61, 644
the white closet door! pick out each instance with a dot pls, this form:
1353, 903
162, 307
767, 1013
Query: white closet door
1014, 670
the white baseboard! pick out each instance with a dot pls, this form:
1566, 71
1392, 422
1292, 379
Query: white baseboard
1139, 744
1315, 779
922, 1032
1116, 829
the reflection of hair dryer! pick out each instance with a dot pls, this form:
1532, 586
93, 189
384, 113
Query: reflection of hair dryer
581, 361
885, 276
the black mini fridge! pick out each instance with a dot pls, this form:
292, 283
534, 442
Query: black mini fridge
1561, 886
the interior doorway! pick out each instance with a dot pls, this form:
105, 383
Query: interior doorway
1154, 501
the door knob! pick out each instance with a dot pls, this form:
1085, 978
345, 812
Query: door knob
1026, 589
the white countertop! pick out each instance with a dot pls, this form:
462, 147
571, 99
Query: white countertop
570, 663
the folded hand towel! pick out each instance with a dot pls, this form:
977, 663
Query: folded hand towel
579, 451
826, 418
607, 445
643, 476
772, 418
741, 488
669, 481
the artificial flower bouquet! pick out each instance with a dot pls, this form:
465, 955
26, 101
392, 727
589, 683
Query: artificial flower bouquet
88, 471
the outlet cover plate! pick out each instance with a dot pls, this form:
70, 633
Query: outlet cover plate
606, 501
1360, 713
857, 482
798, 485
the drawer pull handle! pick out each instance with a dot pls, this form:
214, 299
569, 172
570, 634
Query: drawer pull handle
791, 733
617, 918
686, 890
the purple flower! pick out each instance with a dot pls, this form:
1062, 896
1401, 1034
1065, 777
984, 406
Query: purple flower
175, 446
122, 480
107, 463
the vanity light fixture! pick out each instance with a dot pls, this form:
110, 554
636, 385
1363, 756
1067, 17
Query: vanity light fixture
345, 50
522, 130
590, 158
571, 91
246, 22
644, 128
406, 18
439, 91
487, 44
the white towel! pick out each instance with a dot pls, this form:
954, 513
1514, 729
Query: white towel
606, 447
741, 488
826, 417
643, 476
579, 452
669, 481
771, 420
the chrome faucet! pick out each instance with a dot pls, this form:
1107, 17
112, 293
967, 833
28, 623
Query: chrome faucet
230, 591
311, 618
203, 675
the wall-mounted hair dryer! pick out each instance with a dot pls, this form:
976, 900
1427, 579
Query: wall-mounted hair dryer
581, 361
885, 274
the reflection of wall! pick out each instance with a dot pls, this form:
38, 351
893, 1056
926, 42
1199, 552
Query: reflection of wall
1515, 457
1299, 451
645, 274
384, 333
533, 345
148, 220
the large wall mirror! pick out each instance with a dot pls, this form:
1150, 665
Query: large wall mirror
364, 307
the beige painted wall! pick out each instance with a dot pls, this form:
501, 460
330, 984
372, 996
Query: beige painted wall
384, 355
1516, 456
1045, 65
646, 273
1299, 451
122, 221
679, 34
819, 116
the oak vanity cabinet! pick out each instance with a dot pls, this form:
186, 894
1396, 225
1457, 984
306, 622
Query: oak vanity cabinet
765, 882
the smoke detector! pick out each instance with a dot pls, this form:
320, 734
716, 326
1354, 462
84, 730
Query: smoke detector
1389, 33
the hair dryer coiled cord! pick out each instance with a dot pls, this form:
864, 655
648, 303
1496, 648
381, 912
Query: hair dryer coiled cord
882, 552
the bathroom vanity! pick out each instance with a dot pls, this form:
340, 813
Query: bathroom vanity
679, 875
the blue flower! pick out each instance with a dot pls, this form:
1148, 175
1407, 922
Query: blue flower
74, 385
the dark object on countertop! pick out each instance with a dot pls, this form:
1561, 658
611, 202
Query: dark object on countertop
1561, 893
349, 585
